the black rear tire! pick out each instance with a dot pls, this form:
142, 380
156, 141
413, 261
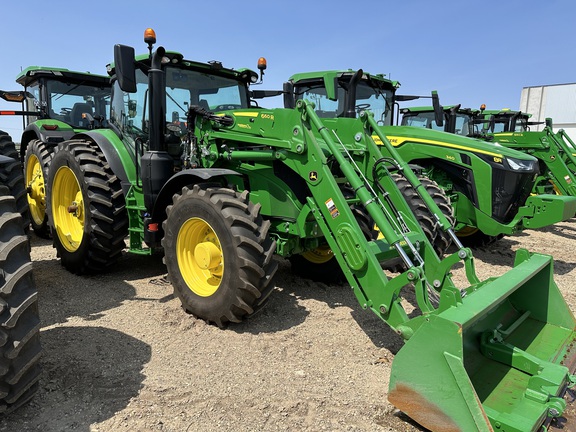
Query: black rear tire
20, 348
7, 146
86, 208
11, 175
218, 253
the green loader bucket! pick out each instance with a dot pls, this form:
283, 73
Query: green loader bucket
500, 360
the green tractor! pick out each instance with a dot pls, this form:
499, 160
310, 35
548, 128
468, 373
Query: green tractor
454, 119
20, 348
555, 151
488, 186
56, 104
192, 166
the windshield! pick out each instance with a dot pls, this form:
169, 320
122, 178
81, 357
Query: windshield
463, 124
130, 113
502, 123
369, 96
422, 120
68, 102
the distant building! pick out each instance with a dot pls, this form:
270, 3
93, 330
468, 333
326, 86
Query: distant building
556, 101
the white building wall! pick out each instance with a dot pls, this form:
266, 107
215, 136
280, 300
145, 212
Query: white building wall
557, 102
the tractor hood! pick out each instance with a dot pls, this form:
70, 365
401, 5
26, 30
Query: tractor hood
399, 135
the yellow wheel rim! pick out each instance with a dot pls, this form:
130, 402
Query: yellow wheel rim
320, 255
379, 236
68, 209
467, 231
36, 190
200, 257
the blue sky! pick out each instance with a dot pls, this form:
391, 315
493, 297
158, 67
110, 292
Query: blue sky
471, 52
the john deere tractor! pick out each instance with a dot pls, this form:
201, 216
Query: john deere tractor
453, 119
488, 186
191, 166
555, 151
19, 319
56, 104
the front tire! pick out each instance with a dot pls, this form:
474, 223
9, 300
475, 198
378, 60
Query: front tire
19, 318
86, 207
422, 214
472, 237
218, 253
442, 240
36, 163
320, 264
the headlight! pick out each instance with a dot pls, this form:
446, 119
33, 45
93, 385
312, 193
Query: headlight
521, 164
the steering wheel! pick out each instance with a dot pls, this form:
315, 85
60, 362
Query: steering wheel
363, 106
177, 129
134, 130
65, 111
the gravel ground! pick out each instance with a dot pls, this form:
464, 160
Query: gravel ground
121, 355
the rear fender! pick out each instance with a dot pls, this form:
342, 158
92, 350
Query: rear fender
50, 137
112, 157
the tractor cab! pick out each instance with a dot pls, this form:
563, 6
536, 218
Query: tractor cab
505, 120
345, 93
182, 86
77, 99
461, 121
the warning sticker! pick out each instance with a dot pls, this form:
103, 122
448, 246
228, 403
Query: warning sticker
332, 208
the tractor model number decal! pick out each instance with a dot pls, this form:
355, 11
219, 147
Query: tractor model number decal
332, 208
449, 157
498, 160
267, 116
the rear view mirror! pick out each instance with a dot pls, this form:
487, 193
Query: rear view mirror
438, 110
288, 90
125, 67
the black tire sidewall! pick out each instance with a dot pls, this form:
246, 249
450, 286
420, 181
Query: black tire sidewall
34, 148
216, 304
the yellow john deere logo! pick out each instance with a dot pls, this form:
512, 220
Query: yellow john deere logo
313, 176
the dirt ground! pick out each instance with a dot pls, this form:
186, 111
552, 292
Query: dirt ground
121, 355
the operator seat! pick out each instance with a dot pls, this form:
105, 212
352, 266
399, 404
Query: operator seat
76, 114
203, 103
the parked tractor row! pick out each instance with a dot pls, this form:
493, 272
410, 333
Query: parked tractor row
554, 151
186, 164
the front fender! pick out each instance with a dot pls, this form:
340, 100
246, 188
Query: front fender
187, 177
